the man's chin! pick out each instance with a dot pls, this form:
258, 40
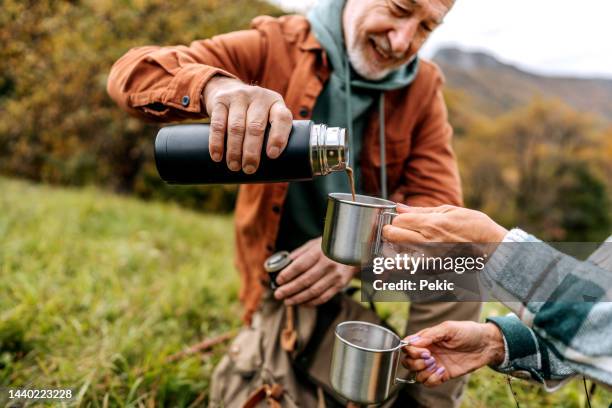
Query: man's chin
366, 70
373, 74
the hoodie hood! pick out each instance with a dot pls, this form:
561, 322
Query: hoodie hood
326, 22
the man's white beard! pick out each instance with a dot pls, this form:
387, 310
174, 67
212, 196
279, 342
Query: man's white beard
360, 64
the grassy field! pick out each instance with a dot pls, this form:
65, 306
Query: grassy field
97, 291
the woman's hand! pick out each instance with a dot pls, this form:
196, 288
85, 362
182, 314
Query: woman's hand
452, 349
442, 224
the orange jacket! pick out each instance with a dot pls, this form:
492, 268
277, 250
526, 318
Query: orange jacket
165, 84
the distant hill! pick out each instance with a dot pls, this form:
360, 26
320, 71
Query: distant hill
496, 87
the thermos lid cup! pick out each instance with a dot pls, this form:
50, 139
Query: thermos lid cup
277, 262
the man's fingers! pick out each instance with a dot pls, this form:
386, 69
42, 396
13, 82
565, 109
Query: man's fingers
324, 297
256, 123
235, 134
299, 265
298, 252
314, 291
216, 138
305, 280
242, 112
281, 120
303, 257
399, 235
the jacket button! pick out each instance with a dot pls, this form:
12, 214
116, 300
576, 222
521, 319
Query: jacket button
185, 101
276, 209
304, 111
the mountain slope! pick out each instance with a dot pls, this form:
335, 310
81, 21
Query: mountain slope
495, 87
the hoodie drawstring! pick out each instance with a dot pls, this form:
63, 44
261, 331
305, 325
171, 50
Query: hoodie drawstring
349, 108
381, 131
381, 138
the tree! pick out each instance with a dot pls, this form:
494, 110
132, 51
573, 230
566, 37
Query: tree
583, 206
538, 167
57, 123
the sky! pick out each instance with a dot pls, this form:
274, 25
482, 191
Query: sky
555, 37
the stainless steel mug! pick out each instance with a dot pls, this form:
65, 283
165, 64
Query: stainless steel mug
353, 229
365, 361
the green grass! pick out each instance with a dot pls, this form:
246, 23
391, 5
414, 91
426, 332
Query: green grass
96, 291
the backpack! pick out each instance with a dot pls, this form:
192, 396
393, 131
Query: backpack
283, 358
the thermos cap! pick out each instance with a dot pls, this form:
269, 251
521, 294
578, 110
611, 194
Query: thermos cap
329, 149
277, 261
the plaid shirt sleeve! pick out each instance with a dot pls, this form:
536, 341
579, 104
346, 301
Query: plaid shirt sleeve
527, 355
568, 333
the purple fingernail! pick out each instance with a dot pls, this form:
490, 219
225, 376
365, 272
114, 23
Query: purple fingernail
431, 367
412, 339
425, 354
430, 361
440, 370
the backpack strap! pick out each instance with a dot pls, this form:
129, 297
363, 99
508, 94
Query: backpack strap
288, 337
272, 394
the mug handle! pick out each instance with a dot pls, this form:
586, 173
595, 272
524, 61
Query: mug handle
385, 218
412, 377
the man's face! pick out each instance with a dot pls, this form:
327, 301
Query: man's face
382, 35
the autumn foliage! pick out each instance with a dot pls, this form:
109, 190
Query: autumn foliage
543, 167
58, 125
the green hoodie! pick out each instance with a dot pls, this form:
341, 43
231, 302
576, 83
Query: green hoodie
345, 101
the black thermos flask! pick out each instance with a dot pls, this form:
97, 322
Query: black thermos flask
182, 155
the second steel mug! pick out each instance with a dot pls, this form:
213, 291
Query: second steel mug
365, 362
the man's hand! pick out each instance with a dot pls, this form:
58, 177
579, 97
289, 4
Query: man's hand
312, 278
442, 224
452, 349
244, 111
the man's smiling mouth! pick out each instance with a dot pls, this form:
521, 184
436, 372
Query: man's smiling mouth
379, 50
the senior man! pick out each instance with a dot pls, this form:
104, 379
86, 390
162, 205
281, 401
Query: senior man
350, 63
